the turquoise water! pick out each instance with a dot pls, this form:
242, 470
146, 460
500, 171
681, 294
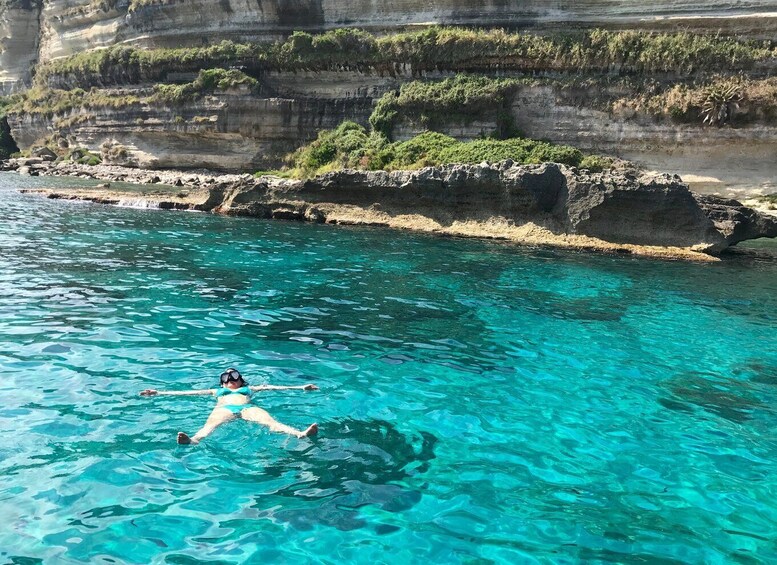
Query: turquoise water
479, 402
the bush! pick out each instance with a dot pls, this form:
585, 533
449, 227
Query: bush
339, 143
466, 97
350, 146
490, 150
596, 163
544, 152
719, 101
423, 149
207, 81
435, 48
83, 157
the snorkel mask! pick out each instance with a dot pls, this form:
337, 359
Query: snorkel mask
231, 375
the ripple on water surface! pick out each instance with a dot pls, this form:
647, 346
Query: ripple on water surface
479, 402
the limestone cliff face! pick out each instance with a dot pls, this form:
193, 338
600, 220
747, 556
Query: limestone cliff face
47, 29
732, 160
72, 26
237, 132
232, 131
19, 34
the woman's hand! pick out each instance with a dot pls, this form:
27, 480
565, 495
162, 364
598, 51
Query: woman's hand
309, 387
149, 392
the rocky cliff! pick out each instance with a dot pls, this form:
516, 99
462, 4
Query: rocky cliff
238, 132
19, 40
303, 89
47, 29
233, 131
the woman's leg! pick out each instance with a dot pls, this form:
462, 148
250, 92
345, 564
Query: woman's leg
255, 414
217, 417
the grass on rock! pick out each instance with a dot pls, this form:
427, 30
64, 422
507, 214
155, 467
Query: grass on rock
434, 48
352, 146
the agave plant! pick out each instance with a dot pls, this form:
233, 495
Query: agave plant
721, 100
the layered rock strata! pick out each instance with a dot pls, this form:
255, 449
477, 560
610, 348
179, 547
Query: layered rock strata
229, 132
239, 132
47, 29
19, 37
71, 26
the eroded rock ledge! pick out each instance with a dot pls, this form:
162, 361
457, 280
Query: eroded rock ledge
653, 214
654, 210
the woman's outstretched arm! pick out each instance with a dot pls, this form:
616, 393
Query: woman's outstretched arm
308, 386
153, 392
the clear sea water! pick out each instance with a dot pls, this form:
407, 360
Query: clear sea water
480, 402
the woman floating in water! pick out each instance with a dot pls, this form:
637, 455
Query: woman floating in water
234, 400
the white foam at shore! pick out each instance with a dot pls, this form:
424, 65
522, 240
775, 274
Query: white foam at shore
137, 203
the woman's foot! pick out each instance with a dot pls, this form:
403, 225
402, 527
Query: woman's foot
311, 431
183, 439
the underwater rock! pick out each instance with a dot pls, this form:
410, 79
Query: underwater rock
727, 398
357, 464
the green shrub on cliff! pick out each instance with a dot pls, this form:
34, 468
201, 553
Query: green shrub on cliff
444, 48
525, 151
596, 163
434, 48
51, 101
348, 145
423, 149
123, 64
724, 100
351, 146
54, 101
645, 52
490, 150
207, 81
463, 97
336, 49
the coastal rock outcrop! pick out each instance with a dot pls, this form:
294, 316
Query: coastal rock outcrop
734, 221
648, 210
549, 204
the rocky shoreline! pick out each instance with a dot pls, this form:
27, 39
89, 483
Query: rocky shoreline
44, 166
549, 205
